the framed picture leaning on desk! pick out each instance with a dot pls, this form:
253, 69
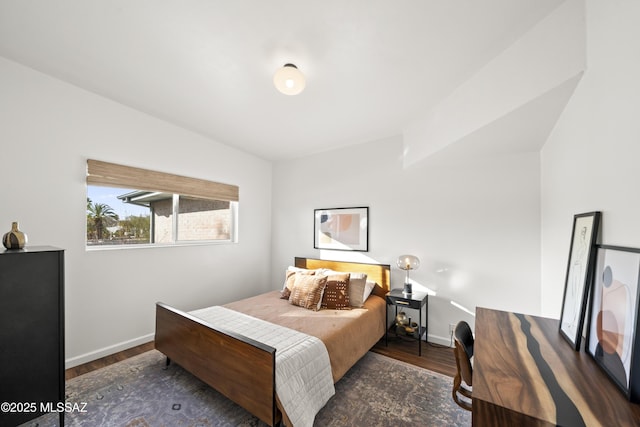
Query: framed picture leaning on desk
579, 272
612, 332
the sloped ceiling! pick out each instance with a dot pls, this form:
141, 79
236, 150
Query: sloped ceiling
529, 125
373, 66
514, 100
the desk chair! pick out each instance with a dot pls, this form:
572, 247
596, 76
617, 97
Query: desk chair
463, 350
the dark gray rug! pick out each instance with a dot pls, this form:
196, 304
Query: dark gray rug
138, 392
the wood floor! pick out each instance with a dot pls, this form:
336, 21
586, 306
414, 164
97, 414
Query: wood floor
434, 357
107, 360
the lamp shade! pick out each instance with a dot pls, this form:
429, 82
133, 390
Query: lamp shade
408, 262
289, 80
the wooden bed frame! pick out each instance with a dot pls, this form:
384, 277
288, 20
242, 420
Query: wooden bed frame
212, 354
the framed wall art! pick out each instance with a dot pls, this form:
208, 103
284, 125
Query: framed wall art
612, 331
579, 271
343, 229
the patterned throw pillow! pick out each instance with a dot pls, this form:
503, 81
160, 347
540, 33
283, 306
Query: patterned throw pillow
358, 291
290, 278
336, 292
307, 291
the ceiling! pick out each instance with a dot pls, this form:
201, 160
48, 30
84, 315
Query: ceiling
372, 66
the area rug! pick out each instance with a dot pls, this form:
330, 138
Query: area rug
139, 392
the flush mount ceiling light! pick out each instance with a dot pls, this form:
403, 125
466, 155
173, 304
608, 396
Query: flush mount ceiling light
289, 80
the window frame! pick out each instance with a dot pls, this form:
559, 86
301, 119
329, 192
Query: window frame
111, 175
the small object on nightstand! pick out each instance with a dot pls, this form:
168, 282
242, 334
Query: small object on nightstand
407, 262
401, 319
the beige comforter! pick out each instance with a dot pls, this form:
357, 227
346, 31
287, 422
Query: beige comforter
347, 334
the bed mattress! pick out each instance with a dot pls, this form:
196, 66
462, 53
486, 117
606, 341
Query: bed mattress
347, 334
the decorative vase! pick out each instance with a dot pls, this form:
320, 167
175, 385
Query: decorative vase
14, 239
401, 319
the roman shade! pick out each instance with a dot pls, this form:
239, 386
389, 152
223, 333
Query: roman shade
114, 175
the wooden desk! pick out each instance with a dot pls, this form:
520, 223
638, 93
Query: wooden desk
526, 374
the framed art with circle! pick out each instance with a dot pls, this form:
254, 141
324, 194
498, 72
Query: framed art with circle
612, 331
343, 229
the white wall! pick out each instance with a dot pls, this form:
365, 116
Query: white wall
48, 129
590, 161
473, 222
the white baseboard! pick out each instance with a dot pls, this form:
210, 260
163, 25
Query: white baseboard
106, 351
446, 341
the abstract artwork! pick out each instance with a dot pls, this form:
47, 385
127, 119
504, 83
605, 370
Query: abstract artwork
579, 271
344, 229
612, 336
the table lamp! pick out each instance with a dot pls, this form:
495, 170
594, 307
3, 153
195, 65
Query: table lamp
408, 262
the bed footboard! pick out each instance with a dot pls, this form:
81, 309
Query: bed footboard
240, 368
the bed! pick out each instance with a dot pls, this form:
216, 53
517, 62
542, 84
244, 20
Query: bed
243, 369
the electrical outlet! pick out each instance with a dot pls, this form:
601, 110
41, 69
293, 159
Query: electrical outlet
452, 326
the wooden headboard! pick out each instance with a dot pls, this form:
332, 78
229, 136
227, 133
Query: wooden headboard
379, 273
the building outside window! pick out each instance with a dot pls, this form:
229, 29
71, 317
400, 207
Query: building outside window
118, 216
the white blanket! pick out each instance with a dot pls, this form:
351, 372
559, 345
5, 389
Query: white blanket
304, 382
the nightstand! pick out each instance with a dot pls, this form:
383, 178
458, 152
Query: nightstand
414, 300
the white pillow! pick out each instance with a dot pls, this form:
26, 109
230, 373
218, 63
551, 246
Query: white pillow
368, 288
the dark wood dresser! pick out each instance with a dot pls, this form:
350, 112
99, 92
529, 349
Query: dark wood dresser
31, 333
526, 374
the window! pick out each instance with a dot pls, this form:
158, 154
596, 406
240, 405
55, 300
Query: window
132, 206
